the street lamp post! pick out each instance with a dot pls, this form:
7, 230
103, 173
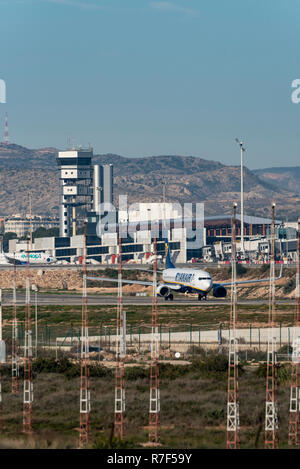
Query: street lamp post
35, 288
242, 149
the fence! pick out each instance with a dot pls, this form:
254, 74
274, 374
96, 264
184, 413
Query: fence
179, 337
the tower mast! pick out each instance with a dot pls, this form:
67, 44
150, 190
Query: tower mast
119, 424
28, 384
154, 408
233, 418
85, 402
6, 135
294, 420
271, 419
15, 345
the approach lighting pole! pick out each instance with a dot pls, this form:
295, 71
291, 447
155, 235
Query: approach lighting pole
28, 383
35, 288
164, 230
271, 414
233, 414
85, 398
294, 418
242, 149
15, 343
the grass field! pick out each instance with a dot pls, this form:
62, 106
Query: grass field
193, 396
60, 321
193, 405
140, 315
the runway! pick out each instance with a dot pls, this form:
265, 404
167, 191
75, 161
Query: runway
68, 299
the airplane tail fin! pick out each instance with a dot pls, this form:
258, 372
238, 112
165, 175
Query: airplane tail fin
169, 263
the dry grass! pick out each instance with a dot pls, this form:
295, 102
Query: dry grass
193, 411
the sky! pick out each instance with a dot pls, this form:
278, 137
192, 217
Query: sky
140, 77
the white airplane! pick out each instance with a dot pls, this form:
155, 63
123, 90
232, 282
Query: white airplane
185, 281
21, 258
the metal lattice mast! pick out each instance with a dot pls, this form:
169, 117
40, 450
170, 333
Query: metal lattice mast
6, 135
154, 409
15, 344
85, 402
28, 383
233, 417
294, 420
271, 418
119, 422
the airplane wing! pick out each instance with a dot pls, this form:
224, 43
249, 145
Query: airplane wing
134, 282
142, 269
105, 279
240, 282
172, 286
6, 260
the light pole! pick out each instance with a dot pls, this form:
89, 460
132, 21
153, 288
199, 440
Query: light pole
242, 149
99, 208
164, 231
35, 288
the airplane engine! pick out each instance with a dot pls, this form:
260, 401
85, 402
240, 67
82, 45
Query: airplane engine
162, 290
219, 291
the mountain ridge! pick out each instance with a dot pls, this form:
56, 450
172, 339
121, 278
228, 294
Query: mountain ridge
189, 179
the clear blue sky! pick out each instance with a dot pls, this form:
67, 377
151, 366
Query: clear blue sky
141, 77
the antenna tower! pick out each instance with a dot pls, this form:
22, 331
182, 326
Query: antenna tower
28, 383
271, 419
119, 424
154, 408
233, 417
85, 402
294, 421
6, 136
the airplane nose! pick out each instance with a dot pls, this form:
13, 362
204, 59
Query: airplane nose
207, 284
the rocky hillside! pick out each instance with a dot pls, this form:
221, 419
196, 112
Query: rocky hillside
189, 179
285, 177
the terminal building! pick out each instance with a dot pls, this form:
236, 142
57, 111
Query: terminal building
137, 243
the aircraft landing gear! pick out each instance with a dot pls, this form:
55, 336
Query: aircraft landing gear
169, 297
201, 297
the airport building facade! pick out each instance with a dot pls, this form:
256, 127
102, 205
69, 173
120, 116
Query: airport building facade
137, 245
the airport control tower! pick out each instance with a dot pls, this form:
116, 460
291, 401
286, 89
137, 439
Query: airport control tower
75, 186
81, 184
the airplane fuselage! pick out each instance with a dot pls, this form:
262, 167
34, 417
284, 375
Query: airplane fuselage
188, 280
34, 258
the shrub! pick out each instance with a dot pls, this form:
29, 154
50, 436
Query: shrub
264, 268
283, 372
240, 270
289, 286
114, 443
168, 371
136, 372
214, 365
67, 368
285, 350
100, 371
